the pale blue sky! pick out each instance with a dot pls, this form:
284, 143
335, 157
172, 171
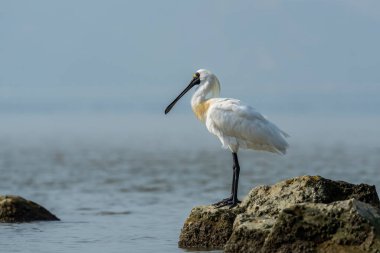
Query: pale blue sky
147, 50
283, 57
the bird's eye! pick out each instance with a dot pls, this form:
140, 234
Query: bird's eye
196, 75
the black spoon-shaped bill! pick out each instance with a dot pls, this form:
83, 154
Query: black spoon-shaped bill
193, 82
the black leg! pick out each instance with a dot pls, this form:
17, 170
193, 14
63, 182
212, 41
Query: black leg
235, 200
232, 200
233, 181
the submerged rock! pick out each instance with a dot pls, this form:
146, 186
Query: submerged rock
18, 209
303, 214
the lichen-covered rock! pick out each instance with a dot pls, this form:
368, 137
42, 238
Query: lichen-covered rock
303, 214
348, 225
18, 209
270, 200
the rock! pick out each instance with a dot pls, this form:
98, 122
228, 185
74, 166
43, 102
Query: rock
303, 214
341, 226
18, 209
207, 228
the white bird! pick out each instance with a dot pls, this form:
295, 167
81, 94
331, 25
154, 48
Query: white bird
235, 124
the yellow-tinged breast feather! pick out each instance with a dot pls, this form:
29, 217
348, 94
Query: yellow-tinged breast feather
200, 110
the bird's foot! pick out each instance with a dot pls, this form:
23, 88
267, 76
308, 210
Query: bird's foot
222, 202
231, 202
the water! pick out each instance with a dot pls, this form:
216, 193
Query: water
118, 192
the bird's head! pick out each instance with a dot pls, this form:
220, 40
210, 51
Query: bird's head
199, 77
203, 74
209, 83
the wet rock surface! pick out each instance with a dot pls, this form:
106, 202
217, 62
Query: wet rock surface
302, 214
18, 209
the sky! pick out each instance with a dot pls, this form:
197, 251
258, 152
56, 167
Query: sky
300, 58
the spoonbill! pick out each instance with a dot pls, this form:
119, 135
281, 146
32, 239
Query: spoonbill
235, 124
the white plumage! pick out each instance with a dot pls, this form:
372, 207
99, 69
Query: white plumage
235, 124
241, 126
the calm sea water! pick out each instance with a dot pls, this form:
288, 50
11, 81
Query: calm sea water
129, 188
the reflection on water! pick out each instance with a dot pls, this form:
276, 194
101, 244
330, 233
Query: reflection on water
118, 198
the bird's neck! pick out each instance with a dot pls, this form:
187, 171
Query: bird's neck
200, 96
200, 102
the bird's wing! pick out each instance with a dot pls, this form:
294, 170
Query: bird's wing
241, 125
